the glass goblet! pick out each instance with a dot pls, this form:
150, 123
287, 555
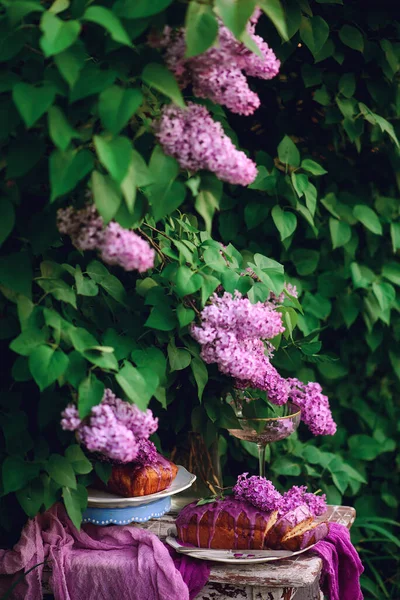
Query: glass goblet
264, 431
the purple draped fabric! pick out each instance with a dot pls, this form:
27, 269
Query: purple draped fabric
97, 563
342, 567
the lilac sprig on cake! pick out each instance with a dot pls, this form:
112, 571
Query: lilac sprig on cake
115, 429
258, 491
261, 493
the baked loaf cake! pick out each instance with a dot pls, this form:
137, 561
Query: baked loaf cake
230, 523
129, 480
226, 523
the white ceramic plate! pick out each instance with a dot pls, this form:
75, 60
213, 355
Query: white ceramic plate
100, 499
244, 557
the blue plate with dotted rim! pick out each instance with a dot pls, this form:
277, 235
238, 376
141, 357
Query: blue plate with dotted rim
129, 514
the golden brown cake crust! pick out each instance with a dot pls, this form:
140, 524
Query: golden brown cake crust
132, 480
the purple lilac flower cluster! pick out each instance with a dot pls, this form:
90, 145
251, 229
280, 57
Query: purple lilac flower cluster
234, 334
115, 429
315, 410
219, 74
258, 491
197, 142
231, 333
261, 493
297, 496
116, 245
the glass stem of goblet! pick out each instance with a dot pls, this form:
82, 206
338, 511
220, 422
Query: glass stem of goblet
261, 458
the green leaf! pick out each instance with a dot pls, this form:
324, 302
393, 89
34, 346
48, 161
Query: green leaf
114, 154
75, 501
151, 356
316, 305
158, 77
107, 196
161, 318
98, 272
139, 384
311, 198
59, 6
347, 84
349, 307
208, 199
84, 285
185, 315
314, 32
67, 169
31, 497
391, 271
201, 28
395, 236
47, 365
70, 63
59, 289
78, 460
85, 343
137, 9
179, 358
17, 473
235, 15
312, 167
32, 102
368, 218
60, 130
288, 153
285, 222
117, 105
364, 447
167, 200
103, 471
92, 80
274, 11
109, 21
351, 37
305, 261
58, 35
362, 276
385, 294
187, 282
284, 465
340, 232
382, 123
59, 469
90, 393
16, 273
18, 9
200, 374
7, 219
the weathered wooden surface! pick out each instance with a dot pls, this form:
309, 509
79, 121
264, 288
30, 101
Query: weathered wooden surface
287, 579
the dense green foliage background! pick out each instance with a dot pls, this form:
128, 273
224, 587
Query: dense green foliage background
79, 90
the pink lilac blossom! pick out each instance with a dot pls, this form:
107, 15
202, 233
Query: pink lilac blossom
290, 289
297, 496
232, 334
219, 73
115, 429
147, 453
70, 418
116, 245
315, 410
258, 491
197, 142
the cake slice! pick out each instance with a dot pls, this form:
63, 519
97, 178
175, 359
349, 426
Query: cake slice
304, 535
288, 522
